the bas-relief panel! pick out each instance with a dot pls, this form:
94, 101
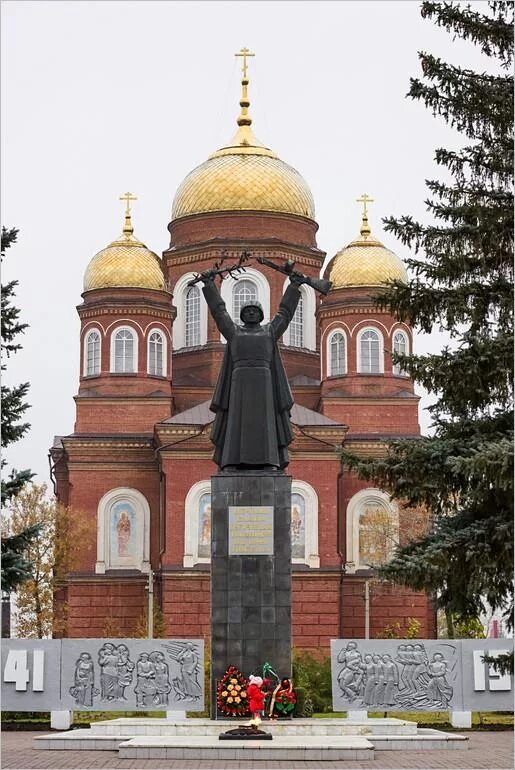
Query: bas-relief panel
418, 675
126, 673
119, 674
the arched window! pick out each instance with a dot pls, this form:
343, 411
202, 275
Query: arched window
197, 524
336, 354
92, 354
372, 529
297, 326
244, 291
123, 351
123, 531
370, 352
156, 354
192, 317
400, 345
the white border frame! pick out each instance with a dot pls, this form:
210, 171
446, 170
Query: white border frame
395, 331
87, 335
361, 332
179, 325
142, 509
336, 330
311, 555
309, 321
191, 502
354, 510
135, 353
158, 330
263, 290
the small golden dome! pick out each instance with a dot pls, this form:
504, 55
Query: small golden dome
243, 176
365, 262
126, 262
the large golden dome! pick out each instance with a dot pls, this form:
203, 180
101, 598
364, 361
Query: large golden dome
365, 262
243, 176
126, 262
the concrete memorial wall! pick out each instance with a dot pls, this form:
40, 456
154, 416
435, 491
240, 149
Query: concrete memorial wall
419, 675
101, 674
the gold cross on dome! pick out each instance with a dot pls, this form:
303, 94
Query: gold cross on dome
128, 197
364, 200
244, 53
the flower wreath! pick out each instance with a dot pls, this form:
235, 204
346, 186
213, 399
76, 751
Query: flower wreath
231, 693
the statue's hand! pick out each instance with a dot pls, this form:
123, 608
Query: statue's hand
208, 276
297, 279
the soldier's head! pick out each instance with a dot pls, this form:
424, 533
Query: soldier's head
252, 313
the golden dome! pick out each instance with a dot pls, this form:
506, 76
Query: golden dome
365, 262
243, 176
126, 262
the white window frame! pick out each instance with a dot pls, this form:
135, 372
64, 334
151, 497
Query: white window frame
362, 331
191, 523
191, 504
157, 330
179, 325
92, 330
263, 291
328, 356
132, 330
142, 560
396, 368
311, 554
309, 321
355, 508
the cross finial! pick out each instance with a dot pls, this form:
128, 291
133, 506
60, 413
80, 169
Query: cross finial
128, 228
364, 200
128, 197
244, 53
365, 227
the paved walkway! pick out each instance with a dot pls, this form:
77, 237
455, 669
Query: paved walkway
487, 751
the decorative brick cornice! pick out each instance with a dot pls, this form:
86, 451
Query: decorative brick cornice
186, 255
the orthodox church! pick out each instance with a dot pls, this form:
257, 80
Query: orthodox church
139, 460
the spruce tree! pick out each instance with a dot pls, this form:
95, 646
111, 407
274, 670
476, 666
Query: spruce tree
15, 567
462, 282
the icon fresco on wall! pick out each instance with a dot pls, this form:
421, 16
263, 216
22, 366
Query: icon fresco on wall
204, 526
123, 532
377, 535
409, 677
137, 673
298, 526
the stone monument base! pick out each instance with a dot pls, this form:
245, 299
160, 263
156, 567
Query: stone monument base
250, 574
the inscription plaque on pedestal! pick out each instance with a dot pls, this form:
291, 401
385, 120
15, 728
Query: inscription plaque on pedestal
251, 530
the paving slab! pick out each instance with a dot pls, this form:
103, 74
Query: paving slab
488, 750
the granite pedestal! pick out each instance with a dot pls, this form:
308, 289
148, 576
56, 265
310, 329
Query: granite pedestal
250, 574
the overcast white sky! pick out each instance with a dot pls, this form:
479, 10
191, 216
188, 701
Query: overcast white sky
103, 97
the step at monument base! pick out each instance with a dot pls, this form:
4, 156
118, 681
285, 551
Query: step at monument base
314, 739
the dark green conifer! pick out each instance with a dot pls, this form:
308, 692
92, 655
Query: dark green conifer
462, 282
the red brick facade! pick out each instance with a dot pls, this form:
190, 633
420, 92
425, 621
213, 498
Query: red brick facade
123, 438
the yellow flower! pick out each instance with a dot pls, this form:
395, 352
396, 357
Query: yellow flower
230, 687
233, 681
237, 700
225, 694
238, 687
230, 700
243, 693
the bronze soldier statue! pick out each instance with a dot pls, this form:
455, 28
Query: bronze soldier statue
252, 398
